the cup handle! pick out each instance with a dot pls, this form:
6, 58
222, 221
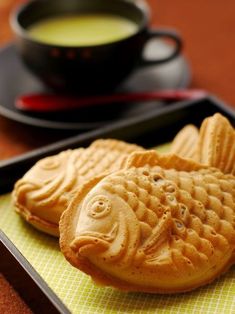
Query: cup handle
151, 33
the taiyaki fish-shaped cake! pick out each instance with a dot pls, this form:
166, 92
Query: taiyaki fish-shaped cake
162, 224
42, 194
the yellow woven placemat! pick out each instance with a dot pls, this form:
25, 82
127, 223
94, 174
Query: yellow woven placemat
78, 292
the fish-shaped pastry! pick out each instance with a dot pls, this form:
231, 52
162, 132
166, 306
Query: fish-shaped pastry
44, 191
162, 224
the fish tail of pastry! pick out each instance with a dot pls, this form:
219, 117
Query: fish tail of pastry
185, 142
216, 144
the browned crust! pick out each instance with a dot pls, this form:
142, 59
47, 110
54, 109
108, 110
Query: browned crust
125, 286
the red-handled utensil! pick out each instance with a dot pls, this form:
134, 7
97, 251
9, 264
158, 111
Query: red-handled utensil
50, 102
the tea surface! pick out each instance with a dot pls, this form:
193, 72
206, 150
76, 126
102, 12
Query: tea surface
82, 29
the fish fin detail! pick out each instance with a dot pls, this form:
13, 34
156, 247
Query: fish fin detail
216, 144
185, 142
166, 161
160, 233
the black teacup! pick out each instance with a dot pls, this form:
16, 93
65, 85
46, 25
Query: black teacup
86, 68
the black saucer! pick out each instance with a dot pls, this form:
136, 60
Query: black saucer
16, 80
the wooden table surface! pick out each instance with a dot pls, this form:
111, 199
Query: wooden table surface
207, 28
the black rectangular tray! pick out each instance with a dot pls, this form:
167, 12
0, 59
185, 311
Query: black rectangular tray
152, 130
148, 132
26, 281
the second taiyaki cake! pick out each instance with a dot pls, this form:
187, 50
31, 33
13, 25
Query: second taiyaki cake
44, 191
164, 224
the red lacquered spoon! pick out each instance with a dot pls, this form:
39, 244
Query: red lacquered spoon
50, 102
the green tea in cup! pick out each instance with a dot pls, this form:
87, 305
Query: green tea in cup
86, 47
82, 29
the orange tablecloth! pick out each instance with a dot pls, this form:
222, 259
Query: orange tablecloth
208, 29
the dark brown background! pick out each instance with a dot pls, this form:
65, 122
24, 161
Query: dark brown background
208, 30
